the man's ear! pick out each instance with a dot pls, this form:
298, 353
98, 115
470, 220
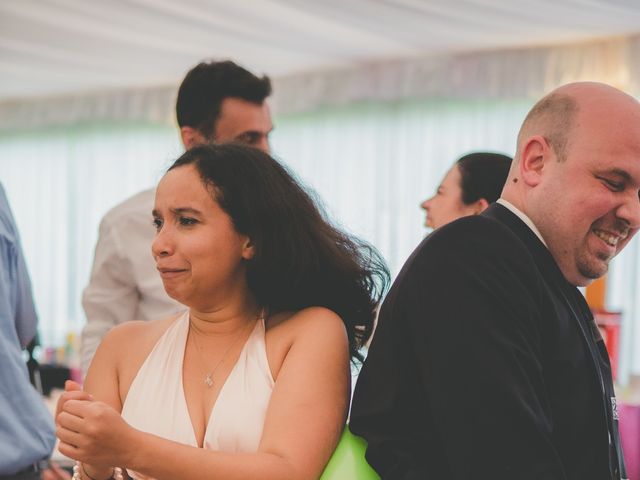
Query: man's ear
248, 250
536, 153
191, 137
480, 206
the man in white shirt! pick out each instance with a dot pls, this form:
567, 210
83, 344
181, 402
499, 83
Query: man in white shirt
217, 101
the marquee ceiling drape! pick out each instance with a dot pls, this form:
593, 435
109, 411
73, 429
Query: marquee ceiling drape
61, 47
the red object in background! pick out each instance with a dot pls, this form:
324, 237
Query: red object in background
609, 326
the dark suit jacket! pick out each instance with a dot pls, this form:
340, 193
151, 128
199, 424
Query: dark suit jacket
481, 366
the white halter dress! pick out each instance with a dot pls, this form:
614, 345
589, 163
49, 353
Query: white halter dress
156, 403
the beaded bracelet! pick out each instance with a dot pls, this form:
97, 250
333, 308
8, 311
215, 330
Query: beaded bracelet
116, 475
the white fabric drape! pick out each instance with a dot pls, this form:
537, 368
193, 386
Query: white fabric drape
56, 47
60, 184
515, 73
373, 164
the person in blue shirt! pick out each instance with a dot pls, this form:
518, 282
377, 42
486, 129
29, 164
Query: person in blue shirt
26, 427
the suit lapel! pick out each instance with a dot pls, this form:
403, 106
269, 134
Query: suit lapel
578, 307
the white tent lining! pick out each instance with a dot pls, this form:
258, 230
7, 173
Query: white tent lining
62, 47
513, 73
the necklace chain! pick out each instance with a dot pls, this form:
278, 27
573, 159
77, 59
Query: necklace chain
208, 378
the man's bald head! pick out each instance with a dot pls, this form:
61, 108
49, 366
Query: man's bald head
576, 175
553, 117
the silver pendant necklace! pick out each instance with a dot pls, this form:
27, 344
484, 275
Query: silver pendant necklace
208, 378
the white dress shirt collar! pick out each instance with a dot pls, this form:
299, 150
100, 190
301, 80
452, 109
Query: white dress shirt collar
522, 217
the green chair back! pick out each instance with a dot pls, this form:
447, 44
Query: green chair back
347, 461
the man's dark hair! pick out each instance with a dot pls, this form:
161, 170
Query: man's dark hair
207, 84
483, 176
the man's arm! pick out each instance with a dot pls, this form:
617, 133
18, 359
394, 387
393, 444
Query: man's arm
26, 427
25, 310
111, 297
16, 277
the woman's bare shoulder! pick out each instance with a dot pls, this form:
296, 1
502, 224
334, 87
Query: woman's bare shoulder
137, 331
120, 355
306, 321
129, 343
310, 329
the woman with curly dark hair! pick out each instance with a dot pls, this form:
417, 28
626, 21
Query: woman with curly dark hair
252, 381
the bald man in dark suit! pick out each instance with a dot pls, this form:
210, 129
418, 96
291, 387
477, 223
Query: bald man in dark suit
486, 362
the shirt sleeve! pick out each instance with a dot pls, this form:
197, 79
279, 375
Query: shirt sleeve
111, 297
15, 276
25, 310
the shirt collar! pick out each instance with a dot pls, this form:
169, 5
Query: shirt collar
522, 217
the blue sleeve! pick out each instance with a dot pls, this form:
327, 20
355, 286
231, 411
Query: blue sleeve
26, 426
25, 311
16, 284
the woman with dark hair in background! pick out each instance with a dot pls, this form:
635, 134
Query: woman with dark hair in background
253, 380
470, 185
